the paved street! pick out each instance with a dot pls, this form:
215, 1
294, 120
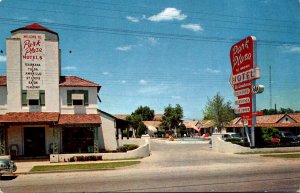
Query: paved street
173, 167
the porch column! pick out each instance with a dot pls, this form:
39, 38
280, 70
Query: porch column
2, 141
55, 140
96, 141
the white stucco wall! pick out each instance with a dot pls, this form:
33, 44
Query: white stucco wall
90, 109
143, 151
13, 75
107, 133
50, 76
15, 136
286, 119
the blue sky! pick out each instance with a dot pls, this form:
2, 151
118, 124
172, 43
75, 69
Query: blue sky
164, 52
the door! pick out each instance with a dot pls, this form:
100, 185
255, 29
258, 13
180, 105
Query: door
34, 141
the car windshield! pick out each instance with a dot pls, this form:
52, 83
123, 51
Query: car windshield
288, 134
236, 135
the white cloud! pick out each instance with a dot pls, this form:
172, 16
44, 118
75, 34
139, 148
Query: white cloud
143, 82
133, 19
212, 71
168, 14
192, 27
176, 97
105, 73
2, 58
124, 48
123, 81
69, 68
291, 48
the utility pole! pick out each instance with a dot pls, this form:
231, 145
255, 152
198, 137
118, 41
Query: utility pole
270, 87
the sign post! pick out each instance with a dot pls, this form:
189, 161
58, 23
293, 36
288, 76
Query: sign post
242, 79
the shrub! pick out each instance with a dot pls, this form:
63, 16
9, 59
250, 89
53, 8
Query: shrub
142, 129
268, 133
86, 158
127, 147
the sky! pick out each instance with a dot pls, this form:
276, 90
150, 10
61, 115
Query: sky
161, 52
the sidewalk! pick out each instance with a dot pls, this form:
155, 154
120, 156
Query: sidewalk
24, 167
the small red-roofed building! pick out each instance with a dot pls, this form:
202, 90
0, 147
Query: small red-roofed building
41, 111
283, 122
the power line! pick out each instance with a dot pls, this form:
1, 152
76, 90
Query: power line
109, 17
117, 31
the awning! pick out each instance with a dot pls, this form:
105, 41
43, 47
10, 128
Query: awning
29, 118
79, 120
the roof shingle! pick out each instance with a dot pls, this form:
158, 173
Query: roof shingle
29, 117
79, 119
74, 81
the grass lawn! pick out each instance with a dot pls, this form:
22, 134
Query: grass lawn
291, 155
68, 167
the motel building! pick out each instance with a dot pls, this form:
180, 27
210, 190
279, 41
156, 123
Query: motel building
42, 112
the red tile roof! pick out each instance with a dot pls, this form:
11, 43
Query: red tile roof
205, 124
270, 121
79, 119
47, 117
121, 116
65, 81
191, 124
74, 81
3, 81
29, 117
34, 26
152, 123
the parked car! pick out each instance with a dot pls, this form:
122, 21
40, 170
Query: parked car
231, 135
7, 166
288, 137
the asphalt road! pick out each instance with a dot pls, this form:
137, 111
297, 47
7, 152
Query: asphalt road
173, 167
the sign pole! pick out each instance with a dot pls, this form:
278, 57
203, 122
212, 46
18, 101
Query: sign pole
253, 120
253, 96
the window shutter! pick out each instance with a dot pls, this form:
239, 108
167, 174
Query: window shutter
24, 98
86, 97
69, 97
42, 97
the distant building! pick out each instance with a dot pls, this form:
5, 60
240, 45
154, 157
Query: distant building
283, 122
42, 112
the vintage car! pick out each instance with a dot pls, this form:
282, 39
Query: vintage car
7, 166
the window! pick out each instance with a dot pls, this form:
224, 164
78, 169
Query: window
33, 102
77, 102
77, 97
33, 97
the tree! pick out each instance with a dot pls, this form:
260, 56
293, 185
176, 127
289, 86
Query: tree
219, 112
139, 115
172, 117
281, 111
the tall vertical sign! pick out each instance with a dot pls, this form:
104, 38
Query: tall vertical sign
242, 79
242, 56
33, 61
